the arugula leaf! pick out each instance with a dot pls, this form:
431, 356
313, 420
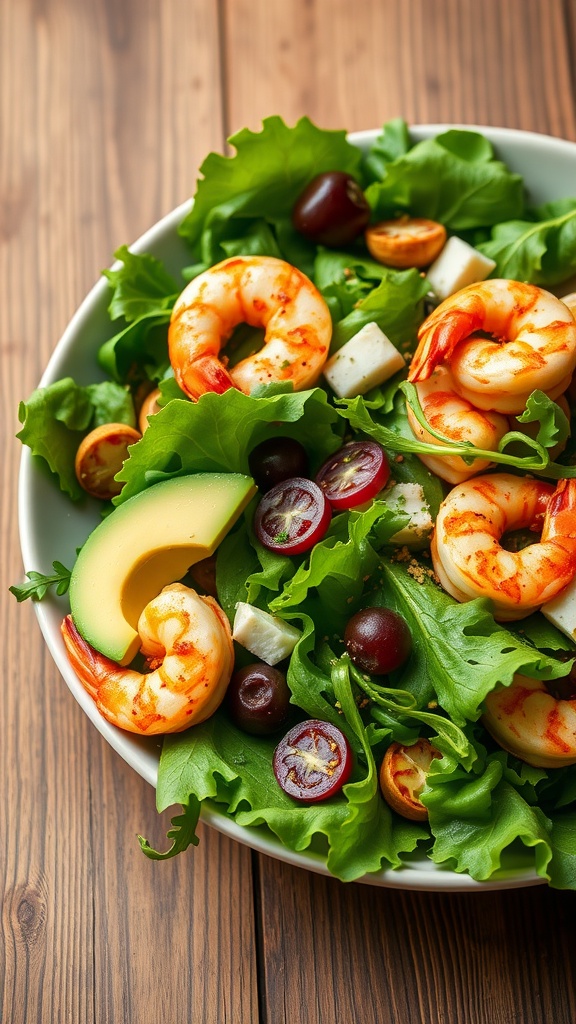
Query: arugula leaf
39, 583
540, 251
453, 179
446, 735
553, 424
356, 411
369, 825
182, 833
56, 418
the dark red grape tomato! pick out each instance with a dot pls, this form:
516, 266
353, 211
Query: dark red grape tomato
354, 474
378, 640
292, 517
277, 459
258, 699
332, 210
313, 761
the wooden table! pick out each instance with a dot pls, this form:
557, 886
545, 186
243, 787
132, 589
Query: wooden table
107, 110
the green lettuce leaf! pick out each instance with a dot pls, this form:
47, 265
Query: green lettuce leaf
396, 305
55, 419
338, 567
453, 179
541, 251
143, 294
218, 432
263, 179
392, 143
140, 287
475, 818
562, 867
459, 652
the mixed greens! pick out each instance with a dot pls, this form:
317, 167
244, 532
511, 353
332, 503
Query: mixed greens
481, 800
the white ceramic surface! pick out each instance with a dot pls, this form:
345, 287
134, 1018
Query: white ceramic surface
51, 527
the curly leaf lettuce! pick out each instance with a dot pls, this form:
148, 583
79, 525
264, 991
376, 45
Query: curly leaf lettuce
142, 294
55, 419
262, 180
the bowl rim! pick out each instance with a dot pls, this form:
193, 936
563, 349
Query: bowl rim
422, 875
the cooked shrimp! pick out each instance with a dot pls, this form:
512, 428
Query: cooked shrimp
261, 291
531, 344
459, 420
187, 643
527, 720
469, 559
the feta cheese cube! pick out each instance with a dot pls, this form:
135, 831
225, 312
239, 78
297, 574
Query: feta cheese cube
266, 636
409, 499
366, 360
457, 265
561, 610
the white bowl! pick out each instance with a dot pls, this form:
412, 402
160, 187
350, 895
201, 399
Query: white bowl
51, 527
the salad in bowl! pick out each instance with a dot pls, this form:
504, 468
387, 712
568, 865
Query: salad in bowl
298, 504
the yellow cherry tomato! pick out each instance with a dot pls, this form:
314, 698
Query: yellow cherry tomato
101, 455
403, 777
405, 242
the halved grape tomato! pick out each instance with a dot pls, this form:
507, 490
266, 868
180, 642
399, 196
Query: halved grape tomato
313, 761
292, 516
354, 474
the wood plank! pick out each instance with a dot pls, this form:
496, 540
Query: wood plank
501, 62
104, 123
379, 956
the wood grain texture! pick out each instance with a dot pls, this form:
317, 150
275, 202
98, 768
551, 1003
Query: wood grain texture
377, 956
107, 108
355, 65
102, 133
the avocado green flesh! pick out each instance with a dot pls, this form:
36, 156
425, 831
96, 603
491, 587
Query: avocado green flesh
145, 544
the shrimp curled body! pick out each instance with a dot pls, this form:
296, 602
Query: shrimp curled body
469, 559
187, 642
456, 418
261, 291
527, 342
528, 721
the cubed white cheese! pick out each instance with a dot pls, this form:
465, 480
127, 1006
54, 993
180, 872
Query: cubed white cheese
409, 499
364, 362
266, 636
561, 610
457, 265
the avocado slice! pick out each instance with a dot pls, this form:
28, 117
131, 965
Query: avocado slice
143, 545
